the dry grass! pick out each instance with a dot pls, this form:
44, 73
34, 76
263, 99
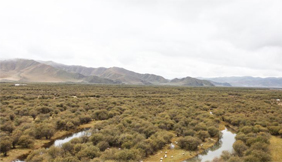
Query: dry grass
178, 154
13, 154
59, 134
88, 125
276, 148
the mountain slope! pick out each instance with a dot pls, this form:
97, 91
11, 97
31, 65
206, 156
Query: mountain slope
48, 71
33, 71
29, 70
114, 73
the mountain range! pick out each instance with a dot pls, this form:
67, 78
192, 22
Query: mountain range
23, 70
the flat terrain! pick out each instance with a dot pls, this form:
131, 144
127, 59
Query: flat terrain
276, 148
131, 123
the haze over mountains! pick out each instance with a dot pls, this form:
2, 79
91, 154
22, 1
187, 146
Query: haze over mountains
23, 70
248, 81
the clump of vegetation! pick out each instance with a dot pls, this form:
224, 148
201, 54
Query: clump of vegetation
189, 143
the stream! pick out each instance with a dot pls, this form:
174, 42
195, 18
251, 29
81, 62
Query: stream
60, 142
224, 144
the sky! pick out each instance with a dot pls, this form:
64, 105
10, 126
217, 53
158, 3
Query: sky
172, 38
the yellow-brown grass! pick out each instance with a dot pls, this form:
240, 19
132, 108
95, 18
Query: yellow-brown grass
276, 148
178, 154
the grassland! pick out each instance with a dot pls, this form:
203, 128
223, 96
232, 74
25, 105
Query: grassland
276, 148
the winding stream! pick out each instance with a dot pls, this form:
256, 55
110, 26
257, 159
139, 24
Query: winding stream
66, 139
224, 144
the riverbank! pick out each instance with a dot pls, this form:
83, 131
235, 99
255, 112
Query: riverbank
22, 153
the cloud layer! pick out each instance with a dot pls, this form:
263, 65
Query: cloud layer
170, 38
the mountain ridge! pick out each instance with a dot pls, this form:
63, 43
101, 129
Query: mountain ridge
48, 71
26, 70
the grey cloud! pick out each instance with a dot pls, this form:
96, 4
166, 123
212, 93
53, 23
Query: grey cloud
170, 38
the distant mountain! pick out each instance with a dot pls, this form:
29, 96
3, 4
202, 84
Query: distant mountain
114, 73
47, 71
188, 81
221, 84
249, 81
32, 71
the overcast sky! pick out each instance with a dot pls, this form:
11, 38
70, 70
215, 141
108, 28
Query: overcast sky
176, 38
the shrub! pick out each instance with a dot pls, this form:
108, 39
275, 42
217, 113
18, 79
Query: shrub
15, 137
274, 130
101, 115
26, 141
8, 126
213, 131
127, 155
103, 145
89, 152
54, 152
246, 129
203, 135
240, 147
225, 155
84, 119
5, 144
68, 147
235, 159
189, 143
96, 138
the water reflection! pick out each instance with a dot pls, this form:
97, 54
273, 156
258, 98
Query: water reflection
59, 142
224, 144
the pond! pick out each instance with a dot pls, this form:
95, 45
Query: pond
224, 144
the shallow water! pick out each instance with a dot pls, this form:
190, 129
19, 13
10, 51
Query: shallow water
59, 142
224, 144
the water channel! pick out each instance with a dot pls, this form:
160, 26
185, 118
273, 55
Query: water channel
60, 142
224, 144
